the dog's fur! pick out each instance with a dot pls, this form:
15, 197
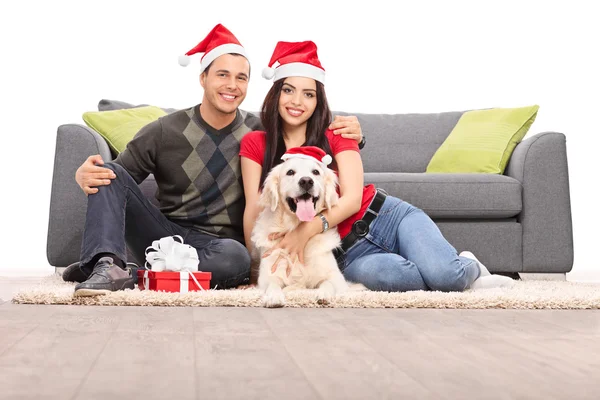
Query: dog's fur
320, 270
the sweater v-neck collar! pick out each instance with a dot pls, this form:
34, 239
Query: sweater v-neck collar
218, 132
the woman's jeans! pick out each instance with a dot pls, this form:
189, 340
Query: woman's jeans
404, 250
119, 215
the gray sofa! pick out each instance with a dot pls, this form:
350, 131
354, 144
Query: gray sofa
519, 222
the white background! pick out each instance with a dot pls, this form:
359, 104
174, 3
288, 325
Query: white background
60, 58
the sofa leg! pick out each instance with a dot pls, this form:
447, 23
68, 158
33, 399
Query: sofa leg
532, 276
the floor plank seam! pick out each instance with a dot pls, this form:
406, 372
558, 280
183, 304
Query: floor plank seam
312, 386
18, 341
87, 374
196, 381
361, 337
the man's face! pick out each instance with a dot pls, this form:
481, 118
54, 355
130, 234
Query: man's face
226, 82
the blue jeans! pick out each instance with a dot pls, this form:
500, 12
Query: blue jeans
119, 215
404, 250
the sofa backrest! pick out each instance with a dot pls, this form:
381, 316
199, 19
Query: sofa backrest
395, 142
403, 142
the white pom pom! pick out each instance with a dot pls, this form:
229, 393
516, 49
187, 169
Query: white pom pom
327, 159
268, 73
184, 60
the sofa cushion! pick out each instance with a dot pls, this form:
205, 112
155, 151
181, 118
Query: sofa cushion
445, 196
497, 243
118, 127
483, 140
454, 195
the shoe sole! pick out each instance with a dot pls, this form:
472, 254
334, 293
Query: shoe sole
83, 292
91, 292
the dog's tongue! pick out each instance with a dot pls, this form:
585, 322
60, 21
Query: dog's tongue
305, 210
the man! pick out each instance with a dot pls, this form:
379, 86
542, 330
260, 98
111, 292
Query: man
193, 154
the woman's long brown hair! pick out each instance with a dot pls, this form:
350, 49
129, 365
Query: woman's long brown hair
272, 123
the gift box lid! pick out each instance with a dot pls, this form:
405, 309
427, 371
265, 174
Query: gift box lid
172, 275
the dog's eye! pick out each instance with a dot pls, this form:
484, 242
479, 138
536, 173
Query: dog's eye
290, 172
316, 172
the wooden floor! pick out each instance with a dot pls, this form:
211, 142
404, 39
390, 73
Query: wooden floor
78, 352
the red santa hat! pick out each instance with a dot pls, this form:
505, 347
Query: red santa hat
218, 42
308, 152
295, 59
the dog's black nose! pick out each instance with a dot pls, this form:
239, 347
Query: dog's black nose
306, 183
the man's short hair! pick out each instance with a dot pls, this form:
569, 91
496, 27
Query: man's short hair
233, 54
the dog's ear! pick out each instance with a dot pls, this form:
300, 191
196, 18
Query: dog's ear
270, 195
330, 193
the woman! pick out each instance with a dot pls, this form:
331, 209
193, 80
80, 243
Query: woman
389, 245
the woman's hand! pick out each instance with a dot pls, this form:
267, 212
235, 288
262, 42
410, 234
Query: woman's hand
292, 244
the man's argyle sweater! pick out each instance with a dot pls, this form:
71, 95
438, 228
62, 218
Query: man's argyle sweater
197, 169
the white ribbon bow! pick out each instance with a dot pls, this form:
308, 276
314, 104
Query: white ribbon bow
167, 254
171, 255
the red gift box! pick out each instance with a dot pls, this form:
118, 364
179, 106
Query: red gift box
173, 281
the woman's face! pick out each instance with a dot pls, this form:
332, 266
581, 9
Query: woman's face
297, 100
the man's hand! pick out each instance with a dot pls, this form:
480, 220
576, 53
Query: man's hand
348, 127
90, 175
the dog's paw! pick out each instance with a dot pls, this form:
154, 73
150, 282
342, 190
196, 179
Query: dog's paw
323, 302
324, 297
357, 287
275, 299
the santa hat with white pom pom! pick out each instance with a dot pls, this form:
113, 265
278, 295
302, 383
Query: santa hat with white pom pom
295, 59
308, 152
218, 42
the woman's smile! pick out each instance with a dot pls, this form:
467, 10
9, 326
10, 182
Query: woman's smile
294, 112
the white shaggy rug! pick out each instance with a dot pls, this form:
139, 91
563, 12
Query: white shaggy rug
523, 295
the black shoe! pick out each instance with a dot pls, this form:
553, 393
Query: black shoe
74, 273
107, 277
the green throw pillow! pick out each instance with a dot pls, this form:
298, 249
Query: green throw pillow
118, 127
483, 140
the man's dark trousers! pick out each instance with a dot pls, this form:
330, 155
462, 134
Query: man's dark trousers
119, 215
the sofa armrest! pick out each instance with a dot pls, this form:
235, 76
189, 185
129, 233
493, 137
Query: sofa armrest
68, 204
540, 164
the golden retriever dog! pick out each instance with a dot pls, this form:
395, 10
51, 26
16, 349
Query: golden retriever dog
295, 191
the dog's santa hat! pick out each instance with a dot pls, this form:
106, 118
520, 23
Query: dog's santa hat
218, 42
295, 59
308, 152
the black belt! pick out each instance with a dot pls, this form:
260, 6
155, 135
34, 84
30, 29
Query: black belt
360, 228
